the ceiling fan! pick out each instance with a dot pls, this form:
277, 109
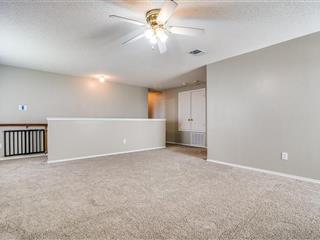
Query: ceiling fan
157, 29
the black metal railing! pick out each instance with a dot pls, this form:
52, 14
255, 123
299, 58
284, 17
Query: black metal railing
24, 142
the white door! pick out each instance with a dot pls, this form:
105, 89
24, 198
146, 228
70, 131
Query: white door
198, 110
184, 111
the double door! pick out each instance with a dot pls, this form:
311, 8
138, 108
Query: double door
192, 110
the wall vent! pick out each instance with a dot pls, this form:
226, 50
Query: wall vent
198, 139
196, 52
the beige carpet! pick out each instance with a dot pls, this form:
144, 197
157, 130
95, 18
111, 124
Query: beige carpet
163, 194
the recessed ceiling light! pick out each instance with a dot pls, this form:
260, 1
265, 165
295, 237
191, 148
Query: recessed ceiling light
102, 78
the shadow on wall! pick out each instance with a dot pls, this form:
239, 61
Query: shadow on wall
190, 151
171, 127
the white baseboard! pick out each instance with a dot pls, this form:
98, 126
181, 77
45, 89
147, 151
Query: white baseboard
22, 157
185, 144
103, 155
267, 171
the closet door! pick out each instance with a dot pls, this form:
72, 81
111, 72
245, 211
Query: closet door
184, 111
198, 110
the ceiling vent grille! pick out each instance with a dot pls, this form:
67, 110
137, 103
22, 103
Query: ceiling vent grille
196, 52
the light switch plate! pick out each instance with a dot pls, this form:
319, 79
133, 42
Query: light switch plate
22, 107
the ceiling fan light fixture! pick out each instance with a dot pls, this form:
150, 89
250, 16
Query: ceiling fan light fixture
160, 32
153, 40
149, 34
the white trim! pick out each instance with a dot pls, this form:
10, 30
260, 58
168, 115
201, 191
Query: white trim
179, 130
185, 144
104, 119
22, 156
103, 155
267, 171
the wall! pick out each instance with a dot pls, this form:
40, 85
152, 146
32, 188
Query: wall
171, 113
54, 95
70, 139
267, 102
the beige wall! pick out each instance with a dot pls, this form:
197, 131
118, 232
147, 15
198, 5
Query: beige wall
267, 102
171, 114
54, 95
78, 138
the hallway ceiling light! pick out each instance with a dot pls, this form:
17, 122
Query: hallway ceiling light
102, 78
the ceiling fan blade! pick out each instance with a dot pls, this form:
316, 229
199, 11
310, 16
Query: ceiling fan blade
186, 31
135, 38
166, 11
127, 20
162, 47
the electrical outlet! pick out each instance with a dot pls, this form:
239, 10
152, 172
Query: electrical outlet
284, 156
124, 141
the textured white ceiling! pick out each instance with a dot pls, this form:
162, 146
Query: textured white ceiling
78, 38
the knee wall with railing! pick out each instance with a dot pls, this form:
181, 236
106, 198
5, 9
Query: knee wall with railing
22, 139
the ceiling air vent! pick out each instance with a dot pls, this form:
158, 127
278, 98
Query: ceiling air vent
196, 52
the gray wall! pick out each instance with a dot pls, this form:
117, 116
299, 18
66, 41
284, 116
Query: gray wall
76, 138
171, 114
54, 95
267, 102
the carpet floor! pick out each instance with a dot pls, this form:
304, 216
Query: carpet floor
170, 193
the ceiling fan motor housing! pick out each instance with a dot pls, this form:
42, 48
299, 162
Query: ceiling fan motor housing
151, 17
